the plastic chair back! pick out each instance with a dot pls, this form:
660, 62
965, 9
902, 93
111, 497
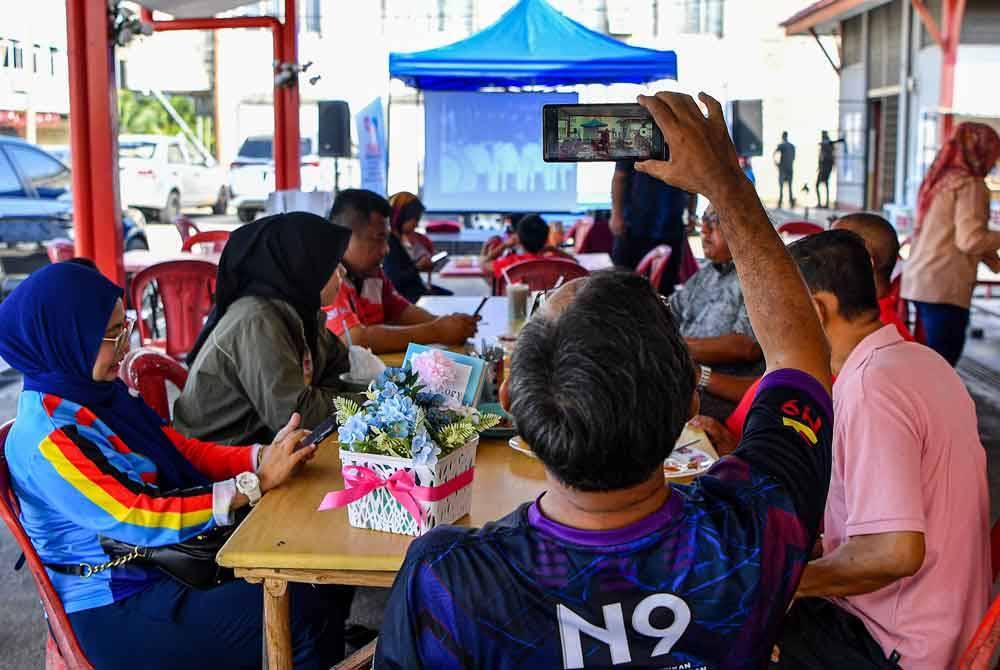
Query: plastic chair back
654, 264
689, 264
444, 227
423, 241
541, 274
148, 371
60, 249
979, 654
211, 241
597, 238
186, 227
186, 289
800, 228
62, 649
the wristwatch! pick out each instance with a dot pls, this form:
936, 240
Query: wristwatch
705, 378
248, 484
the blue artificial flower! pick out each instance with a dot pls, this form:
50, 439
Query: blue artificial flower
355, 429
425, 451
395, 410
389, 390
427, 399
394, 375
438, 419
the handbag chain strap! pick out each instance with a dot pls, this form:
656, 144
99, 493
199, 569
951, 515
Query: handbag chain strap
88, 570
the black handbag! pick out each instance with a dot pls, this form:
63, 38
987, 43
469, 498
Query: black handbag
191, 562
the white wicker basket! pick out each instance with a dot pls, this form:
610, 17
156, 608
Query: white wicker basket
380, 511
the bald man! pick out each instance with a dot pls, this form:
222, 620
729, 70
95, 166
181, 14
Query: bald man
882, 243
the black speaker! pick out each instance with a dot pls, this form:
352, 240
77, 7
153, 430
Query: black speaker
748, 127
334, 129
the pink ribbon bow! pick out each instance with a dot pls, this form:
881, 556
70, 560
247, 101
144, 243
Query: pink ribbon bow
361, 481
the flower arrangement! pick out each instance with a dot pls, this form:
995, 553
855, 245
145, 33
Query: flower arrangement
403, 418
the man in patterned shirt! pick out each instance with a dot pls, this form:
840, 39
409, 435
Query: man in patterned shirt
712, 317
611, 567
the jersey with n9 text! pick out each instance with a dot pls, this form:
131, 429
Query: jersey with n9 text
700, 584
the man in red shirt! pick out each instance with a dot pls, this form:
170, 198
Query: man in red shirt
532, 237
883, 246
368, 305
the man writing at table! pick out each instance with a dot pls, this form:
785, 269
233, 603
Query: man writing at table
376, 315
905, 573
611, 566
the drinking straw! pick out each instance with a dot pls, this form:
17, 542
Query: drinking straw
347, 332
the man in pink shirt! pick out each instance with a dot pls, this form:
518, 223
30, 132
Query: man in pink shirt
905, 573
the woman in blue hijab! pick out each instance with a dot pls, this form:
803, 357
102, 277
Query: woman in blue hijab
87, 458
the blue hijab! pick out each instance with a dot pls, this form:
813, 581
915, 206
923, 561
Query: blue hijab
53, 324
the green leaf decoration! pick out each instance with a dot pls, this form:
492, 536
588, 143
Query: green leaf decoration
487, 421
346, 408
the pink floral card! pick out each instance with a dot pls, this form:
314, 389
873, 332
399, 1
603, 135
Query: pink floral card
457, 377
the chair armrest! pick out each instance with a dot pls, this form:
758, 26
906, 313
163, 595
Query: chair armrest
362, 659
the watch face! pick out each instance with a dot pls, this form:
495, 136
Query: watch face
247, 480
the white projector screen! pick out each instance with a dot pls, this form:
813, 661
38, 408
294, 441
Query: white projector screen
484, 154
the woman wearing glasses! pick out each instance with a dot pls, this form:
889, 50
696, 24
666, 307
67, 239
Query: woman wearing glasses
88, 459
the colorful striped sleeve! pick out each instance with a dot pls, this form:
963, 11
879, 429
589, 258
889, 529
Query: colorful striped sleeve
94, 484
215, 461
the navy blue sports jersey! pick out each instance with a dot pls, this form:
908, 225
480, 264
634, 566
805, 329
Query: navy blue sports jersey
701, 583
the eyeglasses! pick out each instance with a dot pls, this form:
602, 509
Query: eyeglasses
121, 339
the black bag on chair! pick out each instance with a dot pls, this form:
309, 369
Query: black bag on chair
192, 562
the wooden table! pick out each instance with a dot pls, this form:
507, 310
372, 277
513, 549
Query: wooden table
284, 539
468, 266
140, 259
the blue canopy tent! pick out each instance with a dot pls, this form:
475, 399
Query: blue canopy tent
532, 45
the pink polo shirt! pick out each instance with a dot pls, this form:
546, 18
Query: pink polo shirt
907, 457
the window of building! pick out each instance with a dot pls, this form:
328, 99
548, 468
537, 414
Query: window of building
53, 55
702, 17
45, 174
310, 16
11, 54
850, 40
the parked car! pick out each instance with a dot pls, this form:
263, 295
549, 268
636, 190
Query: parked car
251, 175
160, 175
35, 186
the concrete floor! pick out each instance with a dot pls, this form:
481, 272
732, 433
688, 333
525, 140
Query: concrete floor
22, 628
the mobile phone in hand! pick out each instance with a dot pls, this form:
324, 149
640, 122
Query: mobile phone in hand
608, 132
322, 431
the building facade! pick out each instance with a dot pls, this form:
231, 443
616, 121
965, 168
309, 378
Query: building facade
895, 105
34, 79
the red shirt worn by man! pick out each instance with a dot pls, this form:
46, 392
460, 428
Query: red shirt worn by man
377, 302
504, 262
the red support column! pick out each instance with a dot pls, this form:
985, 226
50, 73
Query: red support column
952, 13
289, 106
94, 136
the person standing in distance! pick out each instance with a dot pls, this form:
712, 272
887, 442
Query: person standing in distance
784, 158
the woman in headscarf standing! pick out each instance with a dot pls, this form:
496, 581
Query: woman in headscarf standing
264, 351
952, 237
408, 256
88, 459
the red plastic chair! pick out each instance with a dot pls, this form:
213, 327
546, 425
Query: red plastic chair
148, 371
800, 228
596, 238
654, 264
444, 227
423, 241
186, 289
541, 274
212, 241
979, 654
186, 227
62, 649
59, 249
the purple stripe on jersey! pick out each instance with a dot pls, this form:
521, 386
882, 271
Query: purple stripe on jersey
800, 381
606, 538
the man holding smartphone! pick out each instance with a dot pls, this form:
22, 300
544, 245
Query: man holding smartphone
645, 213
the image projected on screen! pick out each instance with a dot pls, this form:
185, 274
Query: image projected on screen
483, 153
604, 137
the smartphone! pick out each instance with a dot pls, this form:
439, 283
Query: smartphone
439, 259
322, 431
592, 133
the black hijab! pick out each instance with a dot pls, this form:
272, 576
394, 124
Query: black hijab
289, 257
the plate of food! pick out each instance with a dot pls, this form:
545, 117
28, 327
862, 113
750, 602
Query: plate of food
517, 444
687, 460
502, 430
